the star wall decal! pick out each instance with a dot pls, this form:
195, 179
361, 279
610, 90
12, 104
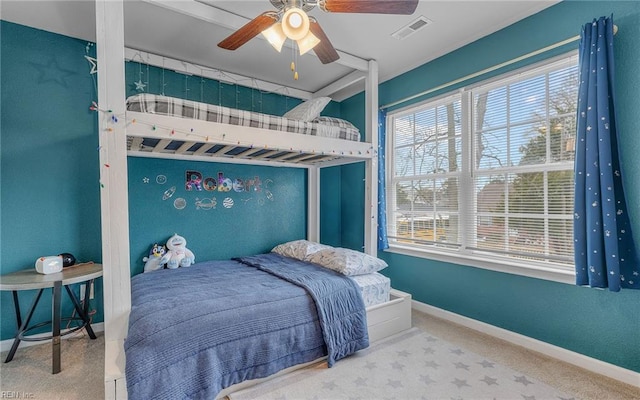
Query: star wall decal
94, 64
139, 85
52, 72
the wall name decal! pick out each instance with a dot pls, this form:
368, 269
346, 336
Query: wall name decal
195, 181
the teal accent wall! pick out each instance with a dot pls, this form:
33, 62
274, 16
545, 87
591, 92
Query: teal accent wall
50, 192
342, 194
353, 196
253, 221
331, 206
352, 183
597, 323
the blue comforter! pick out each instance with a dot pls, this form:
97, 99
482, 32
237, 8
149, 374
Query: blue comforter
194, 331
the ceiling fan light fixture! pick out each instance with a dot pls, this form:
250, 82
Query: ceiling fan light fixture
295, 23
275, 36
307, 43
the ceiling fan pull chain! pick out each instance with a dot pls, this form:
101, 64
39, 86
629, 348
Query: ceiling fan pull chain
186, 87
260, 91
201, 86
163, 82
294, 55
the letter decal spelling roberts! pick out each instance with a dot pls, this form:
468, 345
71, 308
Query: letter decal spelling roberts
193, 180
210, 184
224, 184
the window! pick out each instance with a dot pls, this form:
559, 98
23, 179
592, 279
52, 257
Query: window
487, 173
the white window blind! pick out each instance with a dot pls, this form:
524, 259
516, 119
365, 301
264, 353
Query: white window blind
488, 171
427, 157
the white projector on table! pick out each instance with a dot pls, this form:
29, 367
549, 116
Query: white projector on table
49, 265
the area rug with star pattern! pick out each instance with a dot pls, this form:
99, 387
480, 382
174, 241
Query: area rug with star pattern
410, 365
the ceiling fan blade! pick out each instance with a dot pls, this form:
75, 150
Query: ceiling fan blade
324, 50
403, 7
248, 31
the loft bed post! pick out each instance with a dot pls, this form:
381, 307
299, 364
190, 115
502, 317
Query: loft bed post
113, 188
313, 204
371, 168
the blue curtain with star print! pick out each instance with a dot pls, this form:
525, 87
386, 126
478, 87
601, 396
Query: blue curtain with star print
604, 247
383, 241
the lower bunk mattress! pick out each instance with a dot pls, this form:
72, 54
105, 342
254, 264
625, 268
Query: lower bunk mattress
374, 288
195, 331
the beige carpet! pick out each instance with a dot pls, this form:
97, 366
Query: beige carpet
83, 367
28, 375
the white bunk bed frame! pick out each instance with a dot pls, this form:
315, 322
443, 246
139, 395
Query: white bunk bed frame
118, 140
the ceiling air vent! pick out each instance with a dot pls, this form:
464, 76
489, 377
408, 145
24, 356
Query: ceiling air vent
411, 28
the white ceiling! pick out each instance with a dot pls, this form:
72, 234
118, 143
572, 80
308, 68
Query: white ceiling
165, 28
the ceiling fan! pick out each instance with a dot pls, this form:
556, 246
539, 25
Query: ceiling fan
291, 21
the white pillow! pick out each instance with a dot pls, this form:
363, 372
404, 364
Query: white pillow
308, 110
333, 121
346, 261
298, 249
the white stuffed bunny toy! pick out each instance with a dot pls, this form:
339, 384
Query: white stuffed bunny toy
177, 254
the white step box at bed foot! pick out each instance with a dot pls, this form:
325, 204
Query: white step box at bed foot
386, 319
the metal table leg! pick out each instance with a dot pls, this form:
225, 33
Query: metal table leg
55, 320
16, 304
83, 312
21, 324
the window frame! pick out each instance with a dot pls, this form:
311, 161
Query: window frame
460, 254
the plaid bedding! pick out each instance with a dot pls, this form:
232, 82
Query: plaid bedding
157, 104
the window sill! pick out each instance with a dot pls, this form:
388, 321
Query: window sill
530, 270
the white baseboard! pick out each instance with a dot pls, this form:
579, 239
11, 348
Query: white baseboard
5, 345
591, 364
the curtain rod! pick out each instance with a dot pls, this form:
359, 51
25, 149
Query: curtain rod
490, 69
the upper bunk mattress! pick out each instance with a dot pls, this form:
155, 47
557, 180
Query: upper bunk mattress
171, 106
